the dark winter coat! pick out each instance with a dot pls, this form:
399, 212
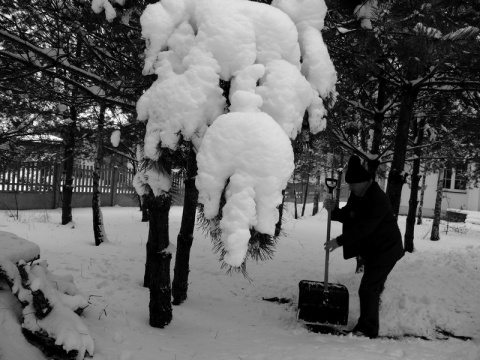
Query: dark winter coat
369, 228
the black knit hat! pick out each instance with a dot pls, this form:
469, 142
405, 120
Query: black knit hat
356, 173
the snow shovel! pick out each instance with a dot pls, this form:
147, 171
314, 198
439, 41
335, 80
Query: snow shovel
321, 302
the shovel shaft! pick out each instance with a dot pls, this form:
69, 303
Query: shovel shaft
331, 184
327, 253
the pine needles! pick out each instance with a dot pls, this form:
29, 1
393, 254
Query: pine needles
261, 246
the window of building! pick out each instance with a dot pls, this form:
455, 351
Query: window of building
455, 178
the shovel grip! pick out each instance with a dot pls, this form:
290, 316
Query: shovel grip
331, 184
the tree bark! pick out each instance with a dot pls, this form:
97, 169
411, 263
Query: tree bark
422, 195
70, 154
415, 180
378, 117
151, 245
316, 195
144, 208
158, 261
67, 188
396, 177
185, 236
98, 229
338, 189
306, 193
412, 209
281, 207
435, 235
294, 186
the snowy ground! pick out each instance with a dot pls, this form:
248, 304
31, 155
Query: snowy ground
438, 286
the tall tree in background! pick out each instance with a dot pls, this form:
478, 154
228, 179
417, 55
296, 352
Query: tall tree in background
418, 134
98, 230
435, 234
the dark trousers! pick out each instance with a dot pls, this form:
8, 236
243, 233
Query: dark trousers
371, 288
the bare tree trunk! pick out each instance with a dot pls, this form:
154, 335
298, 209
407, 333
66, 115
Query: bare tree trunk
295, 202
435, 235
185, 235
316, 195
415, 179
68, 162
306, 192
294, 185
396, 177
151, 245
422, 195
70, 154
158, 261
412, 208
338, 189
378, 117
281, 207
98, 229
144, 208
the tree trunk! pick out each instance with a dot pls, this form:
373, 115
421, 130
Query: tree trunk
435, 235
158, 261
412, 208
338, 189
67, 188
305, 194
98, 229
278, 225
415, 179
294, 186
185, 236
70, 153
378, 117
144, 208
422, 195
316, 195
149, 198
396, 177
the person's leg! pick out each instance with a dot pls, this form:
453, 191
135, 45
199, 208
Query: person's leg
371, 288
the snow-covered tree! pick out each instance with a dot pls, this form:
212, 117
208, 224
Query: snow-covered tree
235, 79
401, 54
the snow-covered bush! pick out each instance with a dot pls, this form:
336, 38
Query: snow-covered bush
51, 308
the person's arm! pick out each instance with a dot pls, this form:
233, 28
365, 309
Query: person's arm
376, 209
342, 214
338, 214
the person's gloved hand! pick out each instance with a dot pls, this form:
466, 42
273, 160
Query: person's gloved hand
331, 245
329, 204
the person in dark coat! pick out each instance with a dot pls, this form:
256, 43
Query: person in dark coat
370, 230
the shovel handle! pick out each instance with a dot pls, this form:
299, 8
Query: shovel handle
331, 184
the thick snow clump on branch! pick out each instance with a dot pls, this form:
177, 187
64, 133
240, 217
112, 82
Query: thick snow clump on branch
262, 166
275, 68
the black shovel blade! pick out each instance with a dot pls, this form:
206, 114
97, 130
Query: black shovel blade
320, 306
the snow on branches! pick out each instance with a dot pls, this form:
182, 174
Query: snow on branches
236, 79
263, 164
